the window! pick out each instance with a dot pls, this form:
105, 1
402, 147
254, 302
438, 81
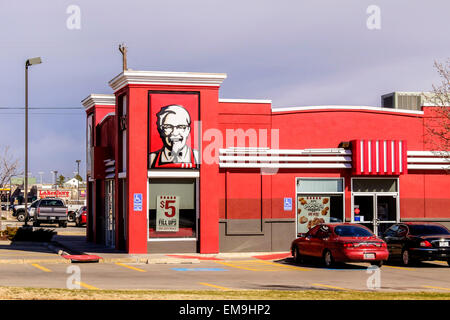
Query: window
52, 203
402, 231
352, 231
375, 185
172, 208
319, 201
428, 230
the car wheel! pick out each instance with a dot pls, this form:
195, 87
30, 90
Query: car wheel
328, 260
71, 217
21, 216
297, 256
406, 258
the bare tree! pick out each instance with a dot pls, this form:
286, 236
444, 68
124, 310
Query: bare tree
9, 165
8, 168
438, 124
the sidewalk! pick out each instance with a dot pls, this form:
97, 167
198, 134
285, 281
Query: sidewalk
76, 245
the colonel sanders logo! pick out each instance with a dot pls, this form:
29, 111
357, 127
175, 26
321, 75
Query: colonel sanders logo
174, 127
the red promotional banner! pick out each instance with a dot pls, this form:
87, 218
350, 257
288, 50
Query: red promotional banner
173, 118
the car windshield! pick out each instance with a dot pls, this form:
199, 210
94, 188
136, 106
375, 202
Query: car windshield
427, 230
352, 231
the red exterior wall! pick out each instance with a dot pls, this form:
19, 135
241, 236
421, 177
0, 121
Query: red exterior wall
246, 193
98, 112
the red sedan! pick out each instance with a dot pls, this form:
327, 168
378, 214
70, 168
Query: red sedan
80, 218
340, 242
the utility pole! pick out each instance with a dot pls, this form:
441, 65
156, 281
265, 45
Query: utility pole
124, 51
78, 181
41, 173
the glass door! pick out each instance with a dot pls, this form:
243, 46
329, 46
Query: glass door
386, 212
375, 211
110, 214
364, 210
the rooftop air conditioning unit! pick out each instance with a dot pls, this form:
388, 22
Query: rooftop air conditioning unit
402, 100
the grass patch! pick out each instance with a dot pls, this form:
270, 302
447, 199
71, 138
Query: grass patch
16, 293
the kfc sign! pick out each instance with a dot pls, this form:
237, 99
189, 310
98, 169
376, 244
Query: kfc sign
65, 194
173, 125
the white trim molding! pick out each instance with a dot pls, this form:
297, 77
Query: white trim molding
99, 99
173, 173
332, 158
428, 160
166, 78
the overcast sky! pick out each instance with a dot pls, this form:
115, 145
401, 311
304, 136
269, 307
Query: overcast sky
295, 53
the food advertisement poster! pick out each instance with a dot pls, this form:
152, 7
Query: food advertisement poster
167, 213
312, 211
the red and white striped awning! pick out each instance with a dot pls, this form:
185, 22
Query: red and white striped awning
379, 157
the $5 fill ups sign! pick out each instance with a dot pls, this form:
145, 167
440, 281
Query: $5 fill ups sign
167, 213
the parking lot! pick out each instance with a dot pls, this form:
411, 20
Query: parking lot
40, 267
247, 273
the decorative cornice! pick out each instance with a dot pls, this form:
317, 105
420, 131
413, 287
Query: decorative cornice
99, 99
166, 78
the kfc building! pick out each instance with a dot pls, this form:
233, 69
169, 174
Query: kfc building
173, 168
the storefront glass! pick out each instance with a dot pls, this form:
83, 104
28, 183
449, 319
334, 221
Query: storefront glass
172, 208
319, 201
375, 203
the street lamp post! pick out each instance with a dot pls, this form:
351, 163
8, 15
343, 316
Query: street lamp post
28, 63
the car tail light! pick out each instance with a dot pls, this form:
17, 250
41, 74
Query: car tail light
38, 210
426, 244
348, 244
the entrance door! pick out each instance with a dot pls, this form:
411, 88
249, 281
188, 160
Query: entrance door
110, 231
375, 211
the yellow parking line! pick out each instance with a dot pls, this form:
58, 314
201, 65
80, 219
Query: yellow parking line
214, 286
440, 288
236, 266
331, 287
41, 267
400, 268
438, 262
85, 285
130, 267
258, 265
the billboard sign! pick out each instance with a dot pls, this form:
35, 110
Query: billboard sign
51, 193
173, 130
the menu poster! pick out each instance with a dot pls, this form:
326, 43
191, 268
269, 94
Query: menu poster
312, 211
167, 213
